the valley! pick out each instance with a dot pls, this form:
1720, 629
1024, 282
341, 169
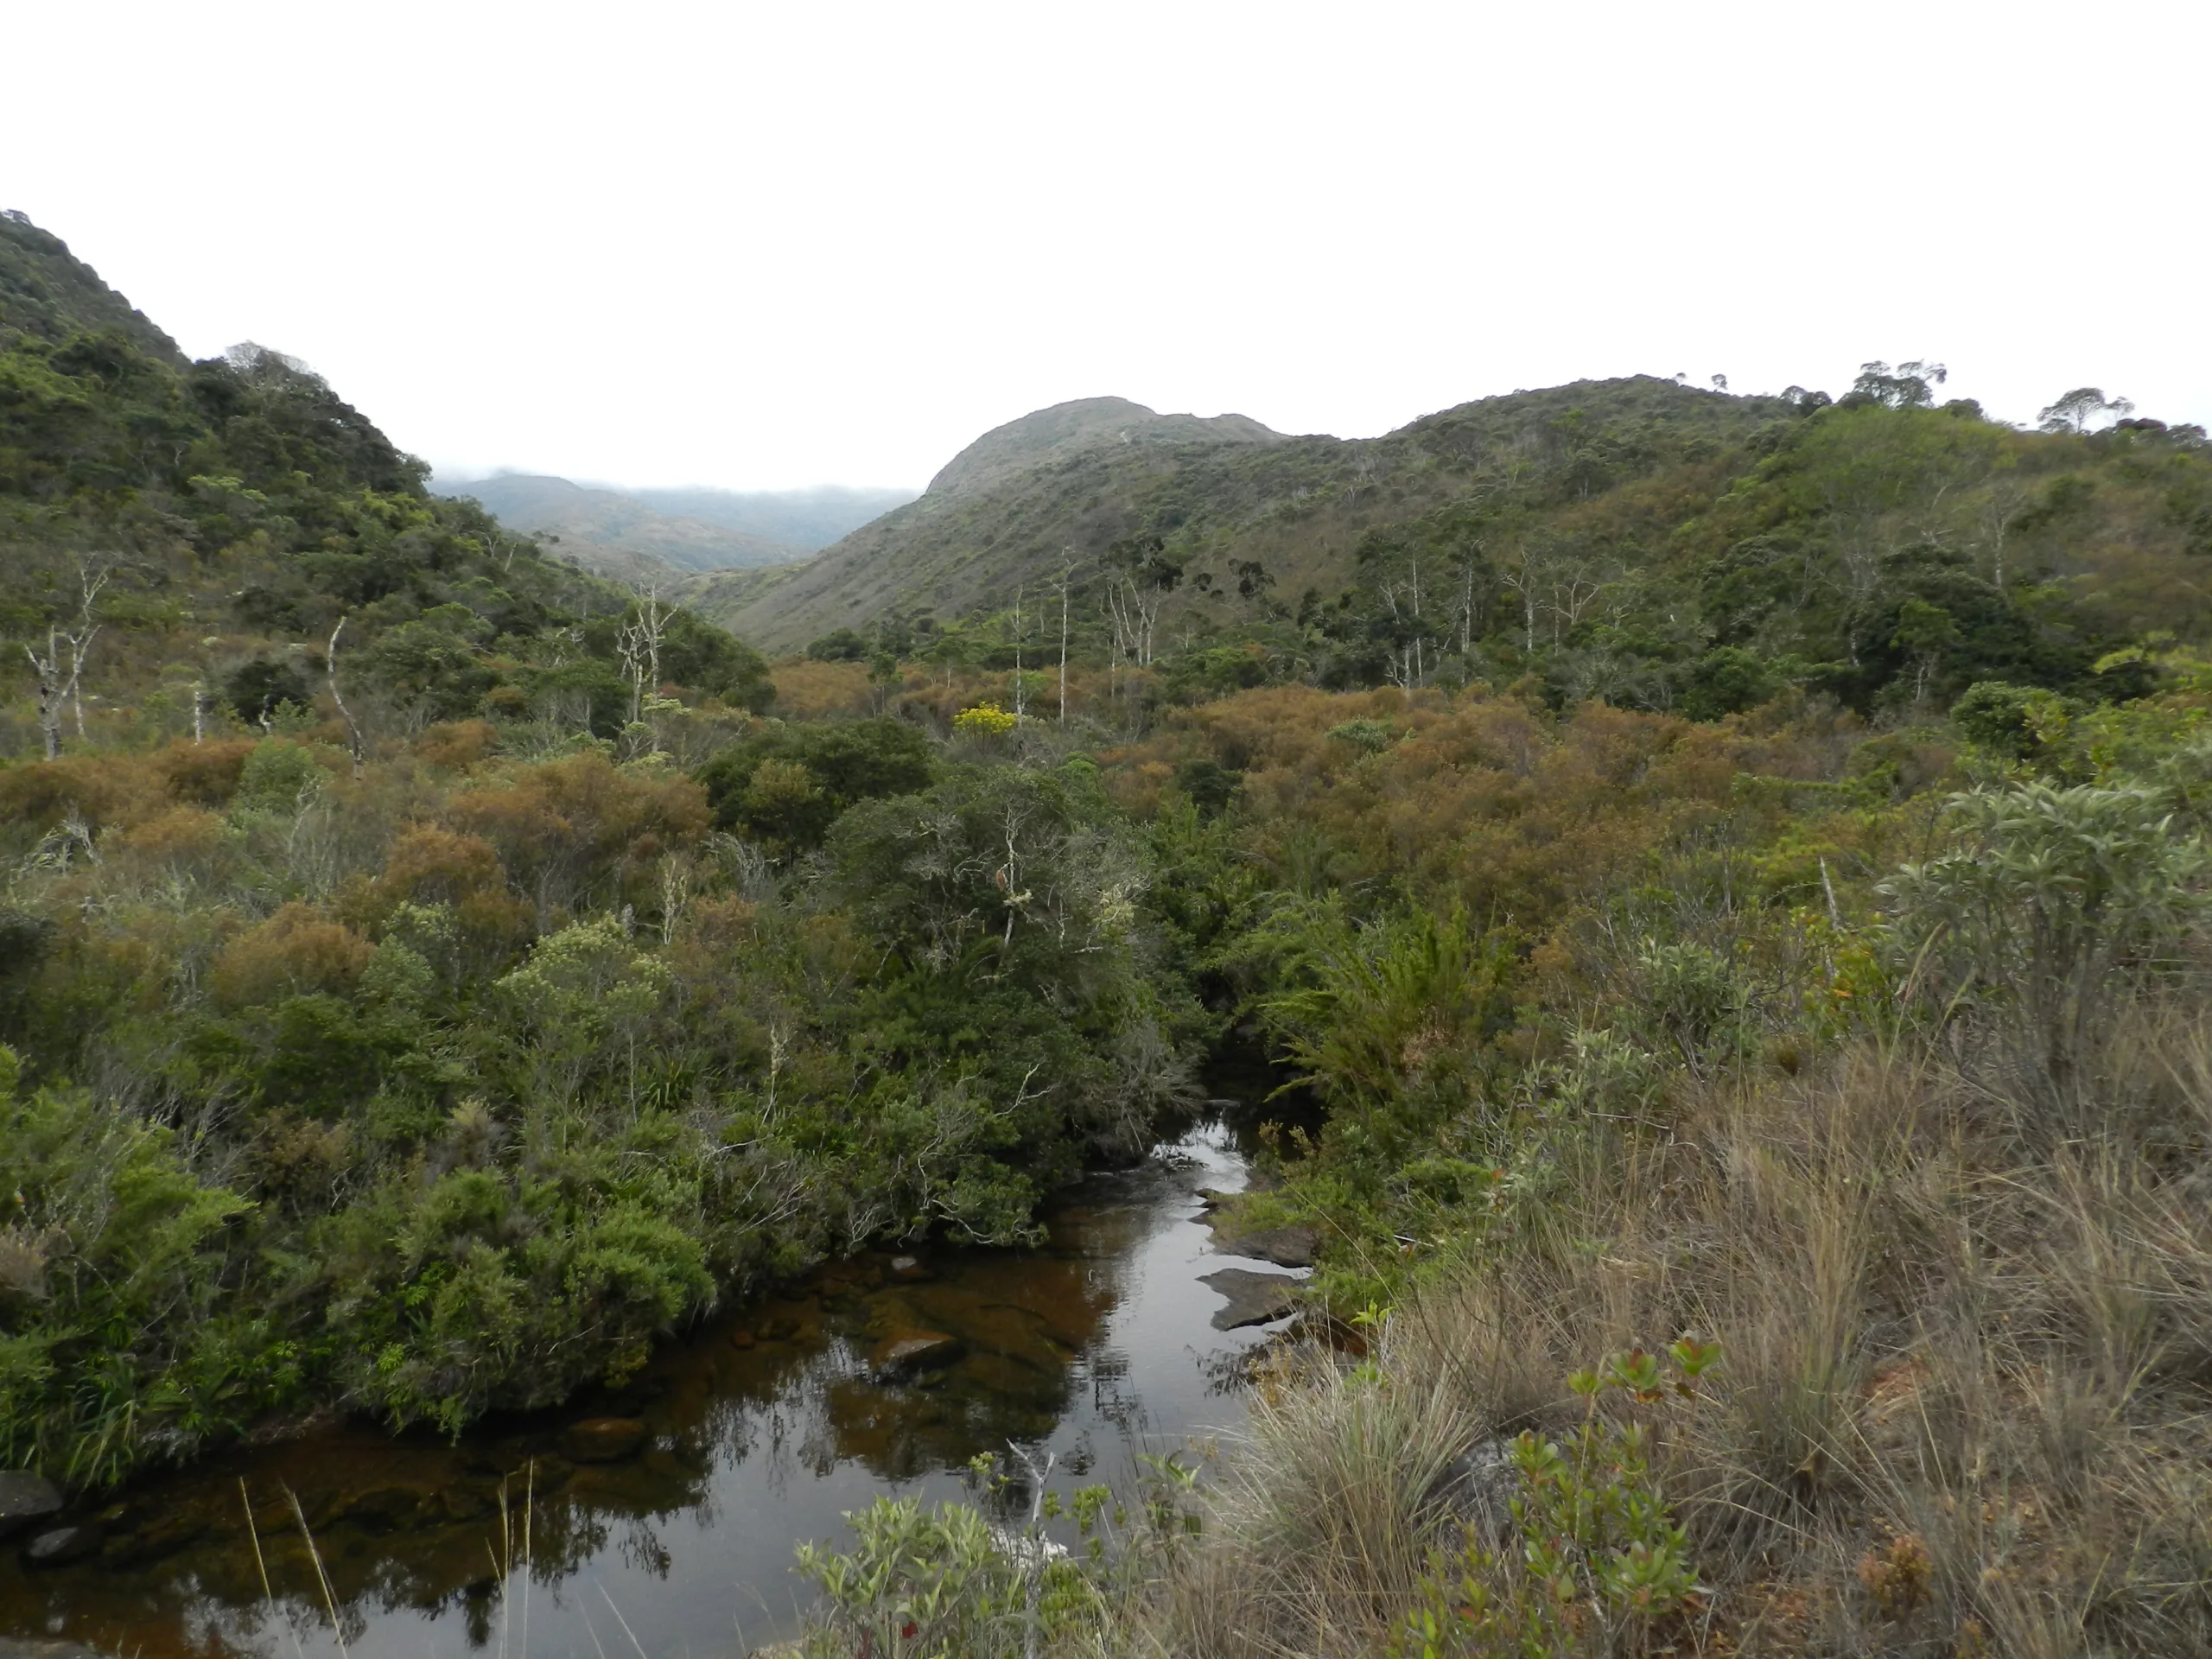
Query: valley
1675, 924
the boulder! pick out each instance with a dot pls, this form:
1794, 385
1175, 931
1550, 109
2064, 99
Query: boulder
910, 1354
1287, 1247
61, 1546
1476, 1489
25, 1497
1252, 1297
602, 1439
909, 1270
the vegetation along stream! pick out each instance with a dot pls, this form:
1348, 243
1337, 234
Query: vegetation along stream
666, 1514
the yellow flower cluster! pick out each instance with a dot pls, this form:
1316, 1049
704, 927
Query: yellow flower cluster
984, 720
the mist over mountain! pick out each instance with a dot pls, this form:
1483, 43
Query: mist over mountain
662, 538
806, 519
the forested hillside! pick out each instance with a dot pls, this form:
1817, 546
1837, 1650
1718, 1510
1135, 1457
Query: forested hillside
398, 1025
1658, 546
1721, 884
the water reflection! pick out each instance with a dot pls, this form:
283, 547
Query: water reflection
664, 1516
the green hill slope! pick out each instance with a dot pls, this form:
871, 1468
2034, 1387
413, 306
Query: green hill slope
1067, 482
178, 539
48, 293
1636, 540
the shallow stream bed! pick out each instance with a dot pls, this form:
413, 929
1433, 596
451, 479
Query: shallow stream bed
663, 1516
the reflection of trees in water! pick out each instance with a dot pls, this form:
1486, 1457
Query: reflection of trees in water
418, 1528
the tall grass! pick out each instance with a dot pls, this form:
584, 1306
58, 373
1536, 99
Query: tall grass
1966, 1404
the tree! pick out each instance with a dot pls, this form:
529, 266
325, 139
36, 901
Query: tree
1140, 574
1907, 386
61, 682
639, 644
2073, 412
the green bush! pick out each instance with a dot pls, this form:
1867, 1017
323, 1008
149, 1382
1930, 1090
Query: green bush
121, 1342
1596, 1557
2051, 904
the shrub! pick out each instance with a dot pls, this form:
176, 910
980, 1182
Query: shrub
296, 952
2051, 903
118, 1346
1598, 1560
945, 1584
985, 720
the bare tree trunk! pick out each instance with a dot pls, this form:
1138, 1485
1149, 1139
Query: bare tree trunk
639, 644
1065, 579
48, 668
330, 665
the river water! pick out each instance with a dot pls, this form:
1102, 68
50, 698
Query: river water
758, 1430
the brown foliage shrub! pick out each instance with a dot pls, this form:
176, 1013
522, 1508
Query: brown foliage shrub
431, 866
39, 795
296, 952
184, 843
809, 690
205, 774
582, 826
458, 745
1897, 1578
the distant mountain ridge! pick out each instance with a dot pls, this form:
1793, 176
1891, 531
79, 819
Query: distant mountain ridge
664, 537
1083, 422
1056, 487
806, 519
1064, 480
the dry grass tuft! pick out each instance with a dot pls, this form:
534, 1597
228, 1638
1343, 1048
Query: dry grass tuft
1967, 1401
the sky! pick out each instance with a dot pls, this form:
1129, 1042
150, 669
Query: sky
766, 246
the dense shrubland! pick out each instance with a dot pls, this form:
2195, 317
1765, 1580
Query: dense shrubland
1869, 1070
454, 1083
1722, 873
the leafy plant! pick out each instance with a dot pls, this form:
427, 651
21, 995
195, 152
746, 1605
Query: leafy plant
945, 1584
1599, 1563
2052, 901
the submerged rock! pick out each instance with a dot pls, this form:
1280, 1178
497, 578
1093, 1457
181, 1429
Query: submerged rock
602, 1439
901, 1358
386, 1509
61, 1546
1253, 1298
909, 1270
25, 1497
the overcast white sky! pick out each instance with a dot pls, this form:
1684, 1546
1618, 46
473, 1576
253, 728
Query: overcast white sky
766, 245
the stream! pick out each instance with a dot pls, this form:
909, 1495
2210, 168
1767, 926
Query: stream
661, 1517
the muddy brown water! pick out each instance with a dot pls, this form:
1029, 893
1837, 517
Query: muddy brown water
759, 1431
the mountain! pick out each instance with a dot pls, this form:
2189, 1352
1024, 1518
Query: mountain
1636, 541
1062, 484
806, 519
617, 535
186, 539
48, 293
666, 537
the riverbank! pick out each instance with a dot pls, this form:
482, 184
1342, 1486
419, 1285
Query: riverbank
679, 1498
